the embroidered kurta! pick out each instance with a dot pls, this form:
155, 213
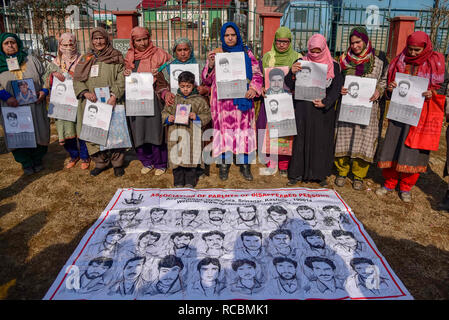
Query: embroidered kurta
235, 131
358, 141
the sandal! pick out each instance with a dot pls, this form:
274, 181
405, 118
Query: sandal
85, 164
72, 163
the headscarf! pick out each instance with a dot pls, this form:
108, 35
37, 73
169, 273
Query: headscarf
242, 103
191, 59
107, 55
152, 58
324, 57
21, 54
275, 58
430, 63
66, 58
359, 65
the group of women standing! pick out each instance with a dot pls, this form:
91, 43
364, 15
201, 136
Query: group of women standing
321, 140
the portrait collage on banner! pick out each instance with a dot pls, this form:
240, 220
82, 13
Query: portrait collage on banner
242, 244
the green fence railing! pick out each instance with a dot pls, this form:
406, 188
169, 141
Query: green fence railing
40, 29
201, 25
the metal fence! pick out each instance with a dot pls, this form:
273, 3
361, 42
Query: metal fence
201, 25
201, 21
335, 23
40, 30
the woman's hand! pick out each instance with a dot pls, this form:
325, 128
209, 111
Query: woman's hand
428, 94
169, 98
12, 102
375, 96
318, 103
250, 94
391, 86
127, 72
344, 91
171, 118
112, 100
90, 96
41, 97
296, 67
203, 90
192, 115
264, 92
59, 75
211, 59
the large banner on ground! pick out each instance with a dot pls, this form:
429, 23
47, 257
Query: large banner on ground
227, 244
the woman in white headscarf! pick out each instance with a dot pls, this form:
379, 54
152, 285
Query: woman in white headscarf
62, 68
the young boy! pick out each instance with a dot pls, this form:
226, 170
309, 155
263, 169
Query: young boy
184, 141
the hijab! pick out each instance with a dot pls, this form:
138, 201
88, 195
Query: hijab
324, 57
152, 58
431, 64
21, 54
191, 59
275, 58
363, 63
107, 55
242, 104
66, 57
238, 47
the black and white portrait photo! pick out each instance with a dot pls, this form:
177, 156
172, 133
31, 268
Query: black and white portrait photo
210, 283
139, 94
324, 279
311, 81
407, 100
353, 90
356, 105
286, 281
248, 281
168, 280
223, 244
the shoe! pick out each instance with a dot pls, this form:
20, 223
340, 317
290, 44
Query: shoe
28, 171
245, 170
382, 191
119, 171
96, 171
159, 172
179, 186
189, 186
283, 173
223, 171
444, 204
267, 171
405, 196
145, 170
292, 182
340, 181
85, 164
72, 163
357, 184
38, 168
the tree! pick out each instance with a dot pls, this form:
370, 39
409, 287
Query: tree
438, 24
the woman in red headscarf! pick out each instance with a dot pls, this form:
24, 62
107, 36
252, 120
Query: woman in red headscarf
406, 149
313, 146
147, 131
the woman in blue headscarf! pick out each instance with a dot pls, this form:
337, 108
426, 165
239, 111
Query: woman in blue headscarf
234, 119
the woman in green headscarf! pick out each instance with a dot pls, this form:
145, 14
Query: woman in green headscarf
281, 54
24, 66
